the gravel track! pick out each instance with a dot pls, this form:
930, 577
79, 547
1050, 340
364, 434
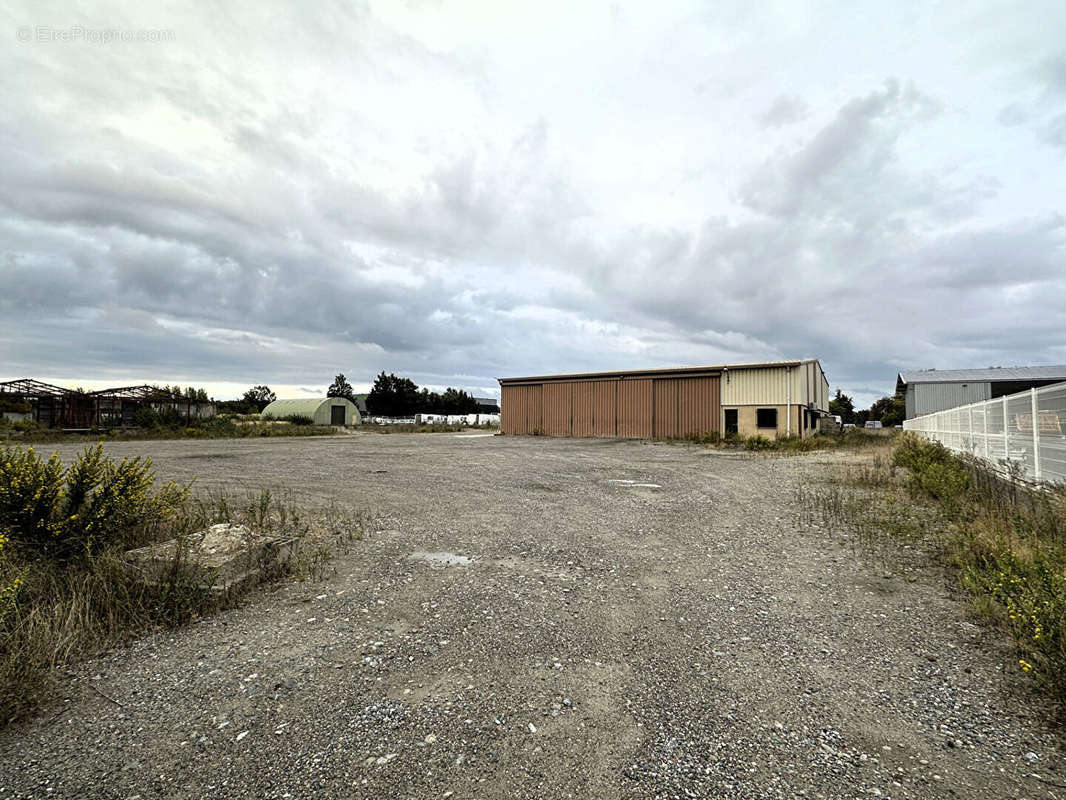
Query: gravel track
681, 635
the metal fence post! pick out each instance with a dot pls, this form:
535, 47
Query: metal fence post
1036, 433
984, 416
1006, 430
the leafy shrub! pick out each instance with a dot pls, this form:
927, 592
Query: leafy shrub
935, 471
67, 512
299, 419
756, 443
145, 417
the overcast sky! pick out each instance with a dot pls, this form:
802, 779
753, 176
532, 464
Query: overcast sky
461, 191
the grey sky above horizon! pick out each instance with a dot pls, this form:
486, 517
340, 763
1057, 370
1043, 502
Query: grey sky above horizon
460, 191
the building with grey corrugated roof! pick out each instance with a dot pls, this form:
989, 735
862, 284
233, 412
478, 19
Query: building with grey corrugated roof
930, 390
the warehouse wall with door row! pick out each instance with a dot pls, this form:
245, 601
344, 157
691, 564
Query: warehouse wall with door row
625, 407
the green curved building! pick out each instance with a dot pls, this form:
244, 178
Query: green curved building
321, 410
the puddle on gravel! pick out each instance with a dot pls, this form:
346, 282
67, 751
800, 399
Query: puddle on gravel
440, 559
633, 484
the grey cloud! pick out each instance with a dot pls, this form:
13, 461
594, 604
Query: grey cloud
848, 154
785, 110
1053, 132
1013, 114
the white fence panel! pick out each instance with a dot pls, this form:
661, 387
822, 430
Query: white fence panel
1026, 431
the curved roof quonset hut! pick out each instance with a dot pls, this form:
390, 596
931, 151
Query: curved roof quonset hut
321, 410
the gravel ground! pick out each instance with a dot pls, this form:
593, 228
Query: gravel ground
681, 635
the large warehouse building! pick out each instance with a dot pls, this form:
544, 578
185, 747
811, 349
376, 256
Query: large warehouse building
930, 390
773, 399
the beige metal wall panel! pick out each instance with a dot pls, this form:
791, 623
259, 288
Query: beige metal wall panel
556, 409
745, 387
635, 408
605, 408
770, 386
665, 396
698, 404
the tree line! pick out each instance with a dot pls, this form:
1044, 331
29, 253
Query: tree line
391, 396
889, 411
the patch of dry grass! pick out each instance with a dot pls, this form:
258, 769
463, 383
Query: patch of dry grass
1006, 541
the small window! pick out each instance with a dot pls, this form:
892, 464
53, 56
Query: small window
766, 417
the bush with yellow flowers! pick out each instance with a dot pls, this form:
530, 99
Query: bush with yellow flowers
1027, 583
11, 580
66, 513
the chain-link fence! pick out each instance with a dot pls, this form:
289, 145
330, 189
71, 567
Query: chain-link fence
1023, 431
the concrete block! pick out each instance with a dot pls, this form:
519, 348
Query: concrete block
222, 557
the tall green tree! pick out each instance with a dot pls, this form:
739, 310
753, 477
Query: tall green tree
341, 388
842, 406
259, 397
890, 410
392, 396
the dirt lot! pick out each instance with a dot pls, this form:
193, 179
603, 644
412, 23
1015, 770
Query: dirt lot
679, 635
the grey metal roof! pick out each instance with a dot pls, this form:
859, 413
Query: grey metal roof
992, 374
662, 371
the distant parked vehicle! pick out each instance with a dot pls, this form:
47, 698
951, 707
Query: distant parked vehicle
849, 425
873, 423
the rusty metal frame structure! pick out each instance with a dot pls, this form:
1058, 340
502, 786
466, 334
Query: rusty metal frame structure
115, 407
53, 406
57, 407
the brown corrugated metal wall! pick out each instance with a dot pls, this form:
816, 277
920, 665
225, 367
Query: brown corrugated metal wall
699, 400
521, 409
605, 408
594, 408
665, 408
556, 414
584, 408
636, 408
